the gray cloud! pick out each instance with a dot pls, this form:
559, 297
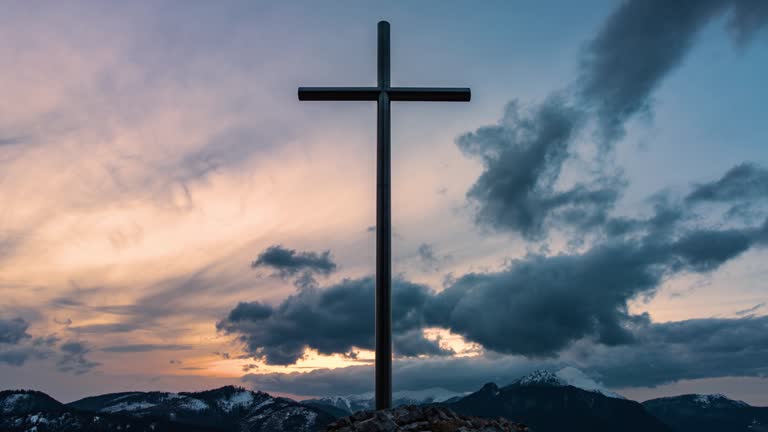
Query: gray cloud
18, 355
331, 320
145, 348
749, 16
523, 155
12, 331
639, 44
17, 346
575, 296
690, 349
289, 262
74, 347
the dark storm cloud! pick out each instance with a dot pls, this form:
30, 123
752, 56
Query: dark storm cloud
549, 302
639, 44
523, 155
289, 262
331, 320
743, 182
546, 302
662, 353
691, 349
145, 348
17, 346
568, 297
12, 331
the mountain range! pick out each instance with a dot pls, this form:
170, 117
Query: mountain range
542, 400
224, 409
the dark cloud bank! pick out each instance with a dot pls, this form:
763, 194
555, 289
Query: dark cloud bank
570, 308
17, 346
661, 353
537, 307
335, 319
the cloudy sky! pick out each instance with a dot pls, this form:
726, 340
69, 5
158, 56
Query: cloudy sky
172, 218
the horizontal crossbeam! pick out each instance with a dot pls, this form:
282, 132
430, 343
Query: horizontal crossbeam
339, 93
407, 94
429, 94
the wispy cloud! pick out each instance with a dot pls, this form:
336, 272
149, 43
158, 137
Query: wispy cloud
134, 348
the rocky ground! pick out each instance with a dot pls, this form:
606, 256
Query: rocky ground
421, 419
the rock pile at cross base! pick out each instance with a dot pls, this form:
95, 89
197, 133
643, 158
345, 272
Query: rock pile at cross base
421, 419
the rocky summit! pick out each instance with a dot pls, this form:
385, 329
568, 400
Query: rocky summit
421, 419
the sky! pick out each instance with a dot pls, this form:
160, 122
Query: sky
173, 218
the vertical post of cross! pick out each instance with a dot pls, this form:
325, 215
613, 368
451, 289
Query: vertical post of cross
383, 229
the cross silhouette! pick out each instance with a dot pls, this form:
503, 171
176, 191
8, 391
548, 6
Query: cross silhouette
383, 94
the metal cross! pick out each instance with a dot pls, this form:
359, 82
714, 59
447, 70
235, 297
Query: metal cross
383, 94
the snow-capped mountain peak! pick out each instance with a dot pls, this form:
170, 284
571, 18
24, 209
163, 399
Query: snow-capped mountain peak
241, 398
541, 377
707, 400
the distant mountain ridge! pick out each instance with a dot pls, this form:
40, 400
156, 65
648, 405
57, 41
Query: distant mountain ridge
546, 403
346, 405
708, 413
542, 400
224, 409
